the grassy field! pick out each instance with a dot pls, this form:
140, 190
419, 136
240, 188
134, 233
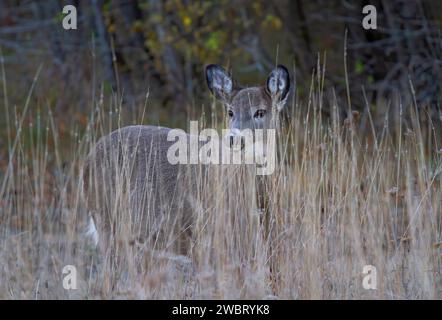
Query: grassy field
343, 196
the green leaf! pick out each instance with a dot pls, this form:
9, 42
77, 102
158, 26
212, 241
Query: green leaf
359, 67
212, 42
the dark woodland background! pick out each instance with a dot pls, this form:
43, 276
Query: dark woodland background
128, 48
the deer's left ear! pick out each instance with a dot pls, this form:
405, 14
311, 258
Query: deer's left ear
278, 86
219, 82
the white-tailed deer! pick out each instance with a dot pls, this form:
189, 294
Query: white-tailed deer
129, 178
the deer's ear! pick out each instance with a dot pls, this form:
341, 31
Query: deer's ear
278, 85
219, 81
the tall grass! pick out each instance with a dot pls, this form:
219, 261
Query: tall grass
340, 198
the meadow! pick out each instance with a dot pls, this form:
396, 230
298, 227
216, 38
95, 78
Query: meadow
346, 193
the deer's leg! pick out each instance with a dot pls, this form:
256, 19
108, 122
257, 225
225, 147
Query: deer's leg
268, 224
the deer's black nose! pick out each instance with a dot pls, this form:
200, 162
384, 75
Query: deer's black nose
232, 141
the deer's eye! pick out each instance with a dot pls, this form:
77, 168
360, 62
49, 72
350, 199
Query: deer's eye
259, 113
230, 113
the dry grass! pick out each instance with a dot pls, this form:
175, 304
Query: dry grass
340, 199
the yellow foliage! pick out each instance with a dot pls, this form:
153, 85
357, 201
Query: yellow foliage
187, 21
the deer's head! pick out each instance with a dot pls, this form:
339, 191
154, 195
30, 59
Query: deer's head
250, 108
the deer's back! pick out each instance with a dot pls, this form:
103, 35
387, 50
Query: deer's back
127, 176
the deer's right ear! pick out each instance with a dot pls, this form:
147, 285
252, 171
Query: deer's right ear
278, 86
219, 81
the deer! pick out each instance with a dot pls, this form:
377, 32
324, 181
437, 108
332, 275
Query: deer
130, 165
